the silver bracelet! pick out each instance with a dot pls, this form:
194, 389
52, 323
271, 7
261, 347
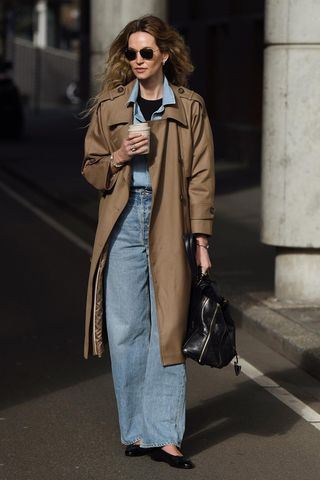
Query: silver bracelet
113, 164
203, 246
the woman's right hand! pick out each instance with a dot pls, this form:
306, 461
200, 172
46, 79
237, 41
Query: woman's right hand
136, 144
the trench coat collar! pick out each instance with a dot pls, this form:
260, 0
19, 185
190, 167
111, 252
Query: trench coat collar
122, 111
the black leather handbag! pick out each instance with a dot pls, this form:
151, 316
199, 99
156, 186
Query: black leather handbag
210, 338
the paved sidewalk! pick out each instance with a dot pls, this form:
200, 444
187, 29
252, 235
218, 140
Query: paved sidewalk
48, 162
245, 270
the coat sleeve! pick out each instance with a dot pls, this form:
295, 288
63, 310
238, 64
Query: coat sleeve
201, 182
97, 155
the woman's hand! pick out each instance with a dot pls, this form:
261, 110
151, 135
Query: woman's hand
136, 144
202, 253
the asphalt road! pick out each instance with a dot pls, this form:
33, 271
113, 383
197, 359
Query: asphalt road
58, 417
57, 411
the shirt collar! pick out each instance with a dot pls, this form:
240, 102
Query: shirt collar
168, 95
135, 92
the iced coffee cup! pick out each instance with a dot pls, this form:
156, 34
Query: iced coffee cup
142, 129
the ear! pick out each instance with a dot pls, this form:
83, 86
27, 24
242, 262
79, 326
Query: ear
165, 58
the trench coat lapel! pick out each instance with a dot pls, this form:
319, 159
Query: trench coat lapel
158, 139
158, 134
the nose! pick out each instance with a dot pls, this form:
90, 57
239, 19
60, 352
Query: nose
139, 59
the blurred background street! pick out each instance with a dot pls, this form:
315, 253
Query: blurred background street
57, 411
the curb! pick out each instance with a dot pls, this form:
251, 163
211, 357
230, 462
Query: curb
283, 335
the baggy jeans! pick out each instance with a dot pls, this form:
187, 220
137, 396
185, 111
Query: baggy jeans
150, 397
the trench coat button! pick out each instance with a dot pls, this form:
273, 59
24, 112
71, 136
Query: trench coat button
120, 89
181, 197
211, 210
181, 90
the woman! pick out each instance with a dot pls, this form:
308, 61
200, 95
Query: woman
140, 279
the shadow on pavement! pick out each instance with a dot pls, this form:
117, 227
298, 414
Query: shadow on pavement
245, 409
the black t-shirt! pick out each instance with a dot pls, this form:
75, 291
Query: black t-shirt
148, 107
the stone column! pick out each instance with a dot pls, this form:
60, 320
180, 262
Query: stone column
108, 17
291, 147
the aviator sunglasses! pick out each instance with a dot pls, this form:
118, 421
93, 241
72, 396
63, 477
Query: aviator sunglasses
146, 53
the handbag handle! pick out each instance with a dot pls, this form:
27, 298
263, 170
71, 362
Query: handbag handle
190, 245
188, 238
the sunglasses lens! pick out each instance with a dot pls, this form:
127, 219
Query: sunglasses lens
130, 54
146, 53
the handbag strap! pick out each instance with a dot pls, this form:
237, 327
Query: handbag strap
190, 245
189, 240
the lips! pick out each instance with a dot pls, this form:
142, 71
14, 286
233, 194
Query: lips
140, 70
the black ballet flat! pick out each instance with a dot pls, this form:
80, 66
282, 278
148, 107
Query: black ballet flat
159, 455
135, 450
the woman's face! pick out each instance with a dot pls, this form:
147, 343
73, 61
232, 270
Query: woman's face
142, 68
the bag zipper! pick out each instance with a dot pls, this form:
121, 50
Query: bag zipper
210, 330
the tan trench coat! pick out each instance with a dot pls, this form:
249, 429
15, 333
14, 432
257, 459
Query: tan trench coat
182, 176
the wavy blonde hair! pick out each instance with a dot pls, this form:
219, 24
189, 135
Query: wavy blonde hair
117, 68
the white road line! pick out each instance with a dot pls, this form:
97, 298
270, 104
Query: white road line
300, 408
47, 219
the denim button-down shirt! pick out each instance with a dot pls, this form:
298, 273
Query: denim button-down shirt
140, 173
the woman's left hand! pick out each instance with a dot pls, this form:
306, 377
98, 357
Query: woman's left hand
202, 254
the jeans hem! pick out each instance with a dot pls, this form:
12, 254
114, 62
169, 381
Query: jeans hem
138, 439
157, 445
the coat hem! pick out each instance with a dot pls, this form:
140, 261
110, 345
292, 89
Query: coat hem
168, 361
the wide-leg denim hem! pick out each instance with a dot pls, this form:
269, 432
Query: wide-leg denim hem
131, 443
157, 445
